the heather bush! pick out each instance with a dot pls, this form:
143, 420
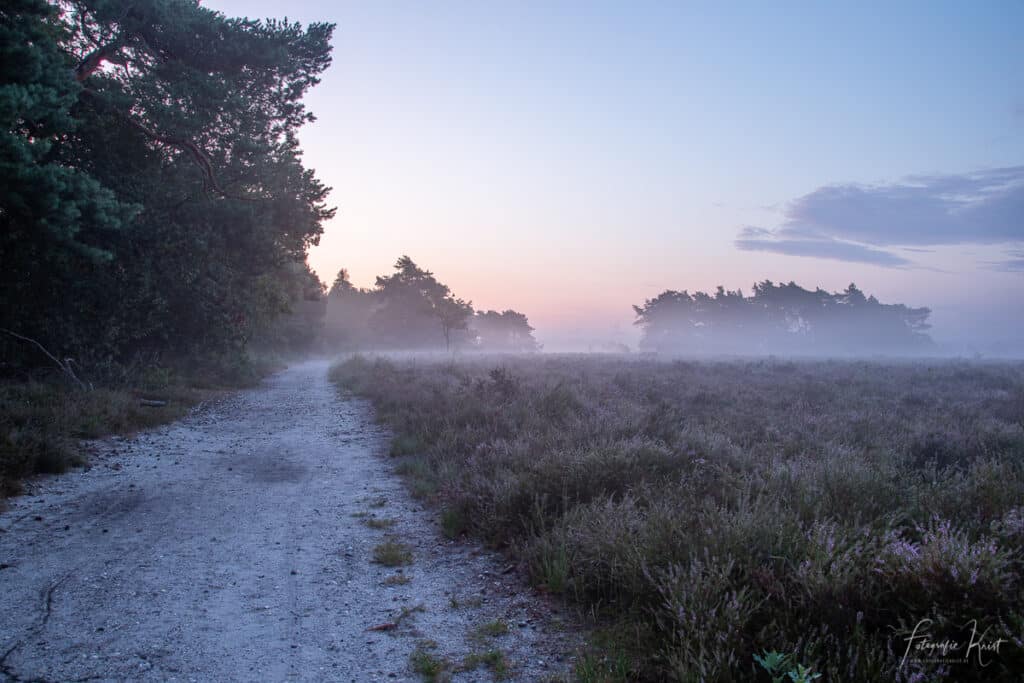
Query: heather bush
712, 512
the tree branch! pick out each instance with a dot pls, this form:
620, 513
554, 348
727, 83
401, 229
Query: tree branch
65, 366
197, 154
94, 60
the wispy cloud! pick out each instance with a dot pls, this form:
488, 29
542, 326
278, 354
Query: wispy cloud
855, 222
759, 239
1013, 264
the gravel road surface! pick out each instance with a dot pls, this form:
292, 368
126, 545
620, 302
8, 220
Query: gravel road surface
234, 545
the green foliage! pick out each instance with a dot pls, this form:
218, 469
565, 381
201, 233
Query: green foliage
56, 216
494, 660
155, 204
802, 674
431, 667
491, 629
775, 663
780, 667
419, 477
594, 668
718, 510
453, 522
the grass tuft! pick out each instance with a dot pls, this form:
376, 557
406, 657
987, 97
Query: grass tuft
379, 522
491, 629
392, 553
397, 580
432, 668
494, 660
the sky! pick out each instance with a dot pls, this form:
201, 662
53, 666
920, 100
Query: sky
571, 159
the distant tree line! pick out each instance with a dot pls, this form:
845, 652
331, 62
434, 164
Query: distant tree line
411, 309
153, 202
783, 318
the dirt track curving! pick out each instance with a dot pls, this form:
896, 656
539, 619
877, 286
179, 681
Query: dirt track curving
233, 545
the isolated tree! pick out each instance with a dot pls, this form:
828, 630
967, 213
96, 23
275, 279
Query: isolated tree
342, 283
415, 310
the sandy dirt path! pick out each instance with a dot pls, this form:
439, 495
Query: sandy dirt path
233, 546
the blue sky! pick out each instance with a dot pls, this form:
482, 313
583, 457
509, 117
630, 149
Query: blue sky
571, 159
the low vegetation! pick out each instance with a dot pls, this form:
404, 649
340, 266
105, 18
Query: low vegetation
397, 580
716, 516
392, 553
378, 522
429, 666
494, 660
435, 668
490, 629
43, 421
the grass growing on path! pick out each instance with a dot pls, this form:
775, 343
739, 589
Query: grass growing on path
379, 522
392, 553
710, 512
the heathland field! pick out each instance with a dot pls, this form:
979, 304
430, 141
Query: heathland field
705, 515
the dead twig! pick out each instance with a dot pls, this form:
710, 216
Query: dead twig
64, 365
386, 626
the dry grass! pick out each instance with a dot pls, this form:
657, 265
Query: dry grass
41, 423
379, 522
42, 420
494, 660
392, 553
710, 512
397, 580
429, 666
490, 629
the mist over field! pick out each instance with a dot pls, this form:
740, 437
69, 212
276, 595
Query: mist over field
452, 341
411, 310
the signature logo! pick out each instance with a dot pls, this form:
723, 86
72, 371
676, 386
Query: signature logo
980, 647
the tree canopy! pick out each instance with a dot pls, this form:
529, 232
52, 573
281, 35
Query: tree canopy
783, 318
153, 195
411, 309
505, 331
